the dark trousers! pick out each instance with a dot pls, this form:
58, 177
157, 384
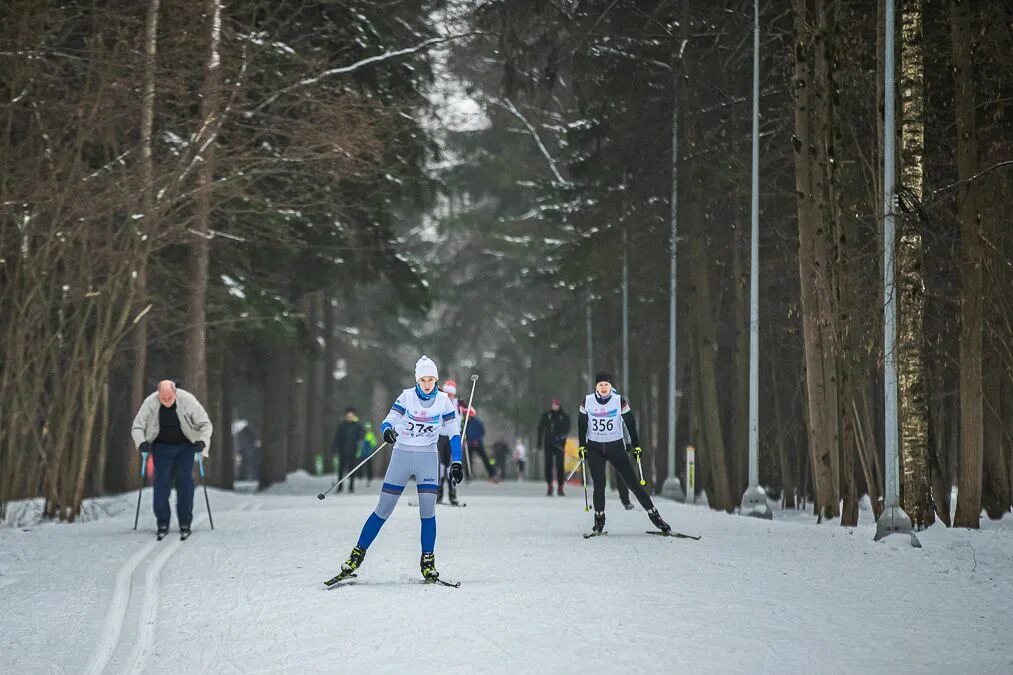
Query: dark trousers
614, 453
620, 484
346, 462
171, 459
443, 446
554, 459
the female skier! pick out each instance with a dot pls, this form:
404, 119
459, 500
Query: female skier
417, 419
600, 429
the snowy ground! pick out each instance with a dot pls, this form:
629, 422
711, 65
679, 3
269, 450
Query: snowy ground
784, 596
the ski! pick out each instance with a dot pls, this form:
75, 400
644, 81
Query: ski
341, 576
673, 533
441, 582
588, 535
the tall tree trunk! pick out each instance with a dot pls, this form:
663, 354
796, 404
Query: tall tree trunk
130, 460
740, 370
789, 485
316, 373
997, 146
225, 443
814, 276
297, 403
916, 485
705, 336
195, 357
277, 401
971, 412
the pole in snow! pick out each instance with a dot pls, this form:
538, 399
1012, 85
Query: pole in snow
893, 520
672, 488
754, 500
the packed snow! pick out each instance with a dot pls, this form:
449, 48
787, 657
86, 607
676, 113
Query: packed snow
751, 596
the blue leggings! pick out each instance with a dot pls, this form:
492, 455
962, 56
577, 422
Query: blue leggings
424, 465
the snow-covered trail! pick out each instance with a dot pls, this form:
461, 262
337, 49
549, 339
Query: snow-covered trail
786, 596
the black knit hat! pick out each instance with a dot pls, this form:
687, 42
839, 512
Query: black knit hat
602, 376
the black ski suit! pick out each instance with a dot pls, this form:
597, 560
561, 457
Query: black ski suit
614, 452
552, 431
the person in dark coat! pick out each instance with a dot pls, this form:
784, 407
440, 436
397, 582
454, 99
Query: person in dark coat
552, 431
345, 447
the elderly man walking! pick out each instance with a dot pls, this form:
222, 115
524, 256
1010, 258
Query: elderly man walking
172, 425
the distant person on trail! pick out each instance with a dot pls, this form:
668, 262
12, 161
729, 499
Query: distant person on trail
600, 430
500, 450
475, 432
552, 431
521, 457
173, 426
345, 446
366, 448
418, 417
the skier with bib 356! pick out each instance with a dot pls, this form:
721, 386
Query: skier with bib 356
600, 429
419, 416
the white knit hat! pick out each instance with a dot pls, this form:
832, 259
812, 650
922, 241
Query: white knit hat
425, 367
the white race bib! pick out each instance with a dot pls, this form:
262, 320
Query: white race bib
604, 422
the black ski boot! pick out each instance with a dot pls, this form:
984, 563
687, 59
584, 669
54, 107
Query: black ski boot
599, 522
354, 560
428, 565
184, 533
162, 533
628, 506
658, 521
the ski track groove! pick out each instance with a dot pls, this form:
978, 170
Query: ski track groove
110, 635
148, 621
112, 622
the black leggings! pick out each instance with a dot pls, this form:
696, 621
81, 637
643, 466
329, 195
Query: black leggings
554, 458
614, 452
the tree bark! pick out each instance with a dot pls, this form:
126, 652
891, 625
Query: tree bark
277, 401
195, 356
971, 411
705, 344
815, 280
916, 479
130, 460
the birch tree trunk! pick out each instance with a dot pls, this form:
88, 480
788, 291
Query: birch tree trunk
195, 356
971, 412
916, 480
131, 459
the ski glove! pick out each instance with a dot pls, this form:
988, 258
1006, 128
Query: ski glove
200, 447
390, 435
144, 447
582, 451
637, 451
456, 473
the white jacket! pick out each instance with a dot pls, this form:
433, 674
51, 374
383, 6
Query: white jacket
193, 419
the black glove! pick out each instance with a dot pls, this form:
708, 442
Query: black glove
390, 435
144, 447
456, 473
199, 446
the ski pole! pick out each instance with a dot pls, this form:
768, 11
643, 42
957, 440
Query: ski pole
583, 475
144, 464
467, 416
639, 466
574, 470
357, 467
200, 461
